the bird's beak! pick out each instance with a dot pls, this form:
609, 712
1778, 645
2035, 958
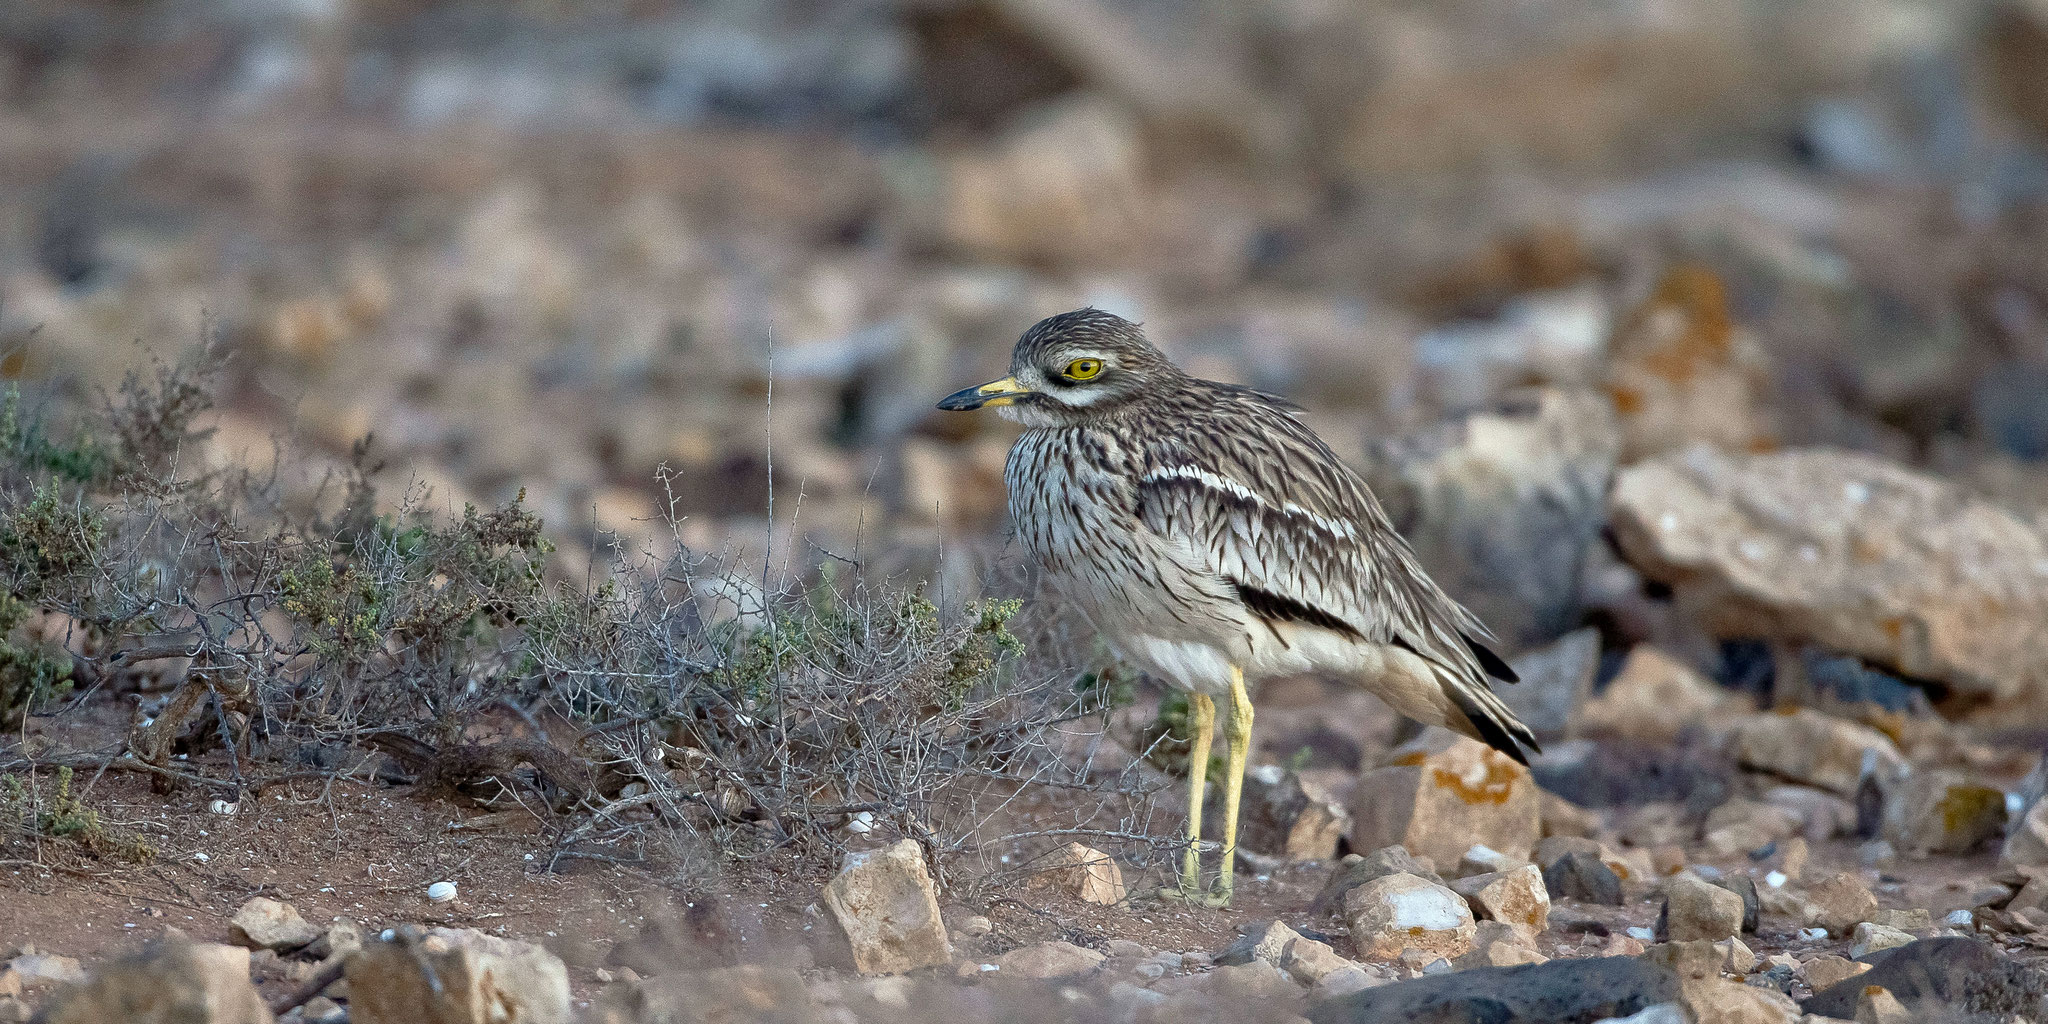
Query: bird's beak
995, 392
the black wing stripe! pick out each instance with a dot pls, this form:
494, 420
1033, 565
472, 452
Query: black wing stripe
1280, 608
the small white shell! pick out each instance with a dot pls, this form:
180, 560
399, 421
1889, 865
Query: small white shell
862, 823
223, 807
201, 857
441, 892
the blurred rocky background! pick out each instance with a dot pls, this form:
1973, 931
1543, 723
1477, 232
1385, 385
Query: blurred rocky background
1509, 255
1701, 347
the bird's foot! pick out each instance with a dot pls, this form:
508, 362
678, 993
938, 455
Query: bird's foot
1216, 898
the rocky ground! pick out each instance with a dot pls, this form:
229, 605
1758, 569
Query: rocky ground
1701, 349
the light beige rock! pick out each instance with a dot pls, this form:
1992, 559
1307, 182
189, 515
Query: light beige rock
1311, 961
1440, 794
1737, 957
1936, 811
2031, 896
1695, 908
1853, 553
1499, 944
482, 979
1682, 371
2026, 844
1561, 817
1793, 855
886, 903
1720, 1001
1877, 1005
741, 993
1741, 825
1713, 999
1258, 983
1655, 697
1667, 859
1482, 860
1288, 816
1839, 903
1306, 959
1086, 873
172, 982
1356, 870
1049, 960
1821, 815
1915, 919
31, 968
1813, 748
1869, 938
1829, 970
264, 923
341, 938
1632, 865
1399, 912
1345, 980
1516, 898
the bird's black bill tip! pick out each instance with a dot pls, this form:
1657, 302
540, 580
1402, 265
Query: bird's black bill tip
995, 392
963, 400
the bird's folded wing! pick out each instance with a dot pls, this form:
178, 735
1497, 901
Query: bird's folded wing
1277, 514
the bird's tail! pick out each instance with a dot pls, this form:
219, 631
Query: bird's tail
1485, 718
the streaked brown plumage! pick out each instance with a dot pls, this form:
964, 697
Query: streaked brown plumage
1212, 537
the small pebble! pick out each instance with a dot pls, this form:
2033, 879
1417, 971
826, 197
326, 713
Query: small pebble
441, 892
1812, 934
1776, 879
223, 807
1642, 934
1960, 919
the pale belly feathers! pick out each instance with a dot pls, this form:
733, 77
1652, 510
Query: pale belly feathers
1156, 601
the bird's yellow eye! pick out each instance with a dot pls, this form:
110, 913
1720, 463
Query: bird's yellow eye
1083, 369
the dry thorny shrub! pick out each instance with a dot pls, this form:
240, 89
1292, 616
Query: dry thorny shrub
667, 710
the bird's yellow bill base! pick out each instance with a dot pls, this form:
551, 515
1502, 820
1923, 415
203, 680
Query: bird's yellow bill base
995, 392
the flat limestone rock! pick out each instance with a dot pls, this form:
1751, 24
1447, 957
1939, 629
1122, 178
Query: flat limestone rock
1853, 553
476, 979
1442, 793
171, 982
1401, 912
888, 906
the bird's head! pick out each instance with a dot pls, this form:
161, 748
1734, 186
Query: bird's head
1070, 368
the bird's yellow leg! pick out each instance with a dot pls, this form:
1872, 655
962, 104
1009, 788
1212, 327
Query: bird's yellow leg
1239, 737
1204, 715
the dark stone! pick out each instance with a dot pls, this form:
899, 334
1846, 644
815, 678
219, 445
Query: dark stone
1555, 682
1752, 908
1391, 860
1581, 876
1944, 975
1557, 992
1852, 681
1777, 976
1618, 773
